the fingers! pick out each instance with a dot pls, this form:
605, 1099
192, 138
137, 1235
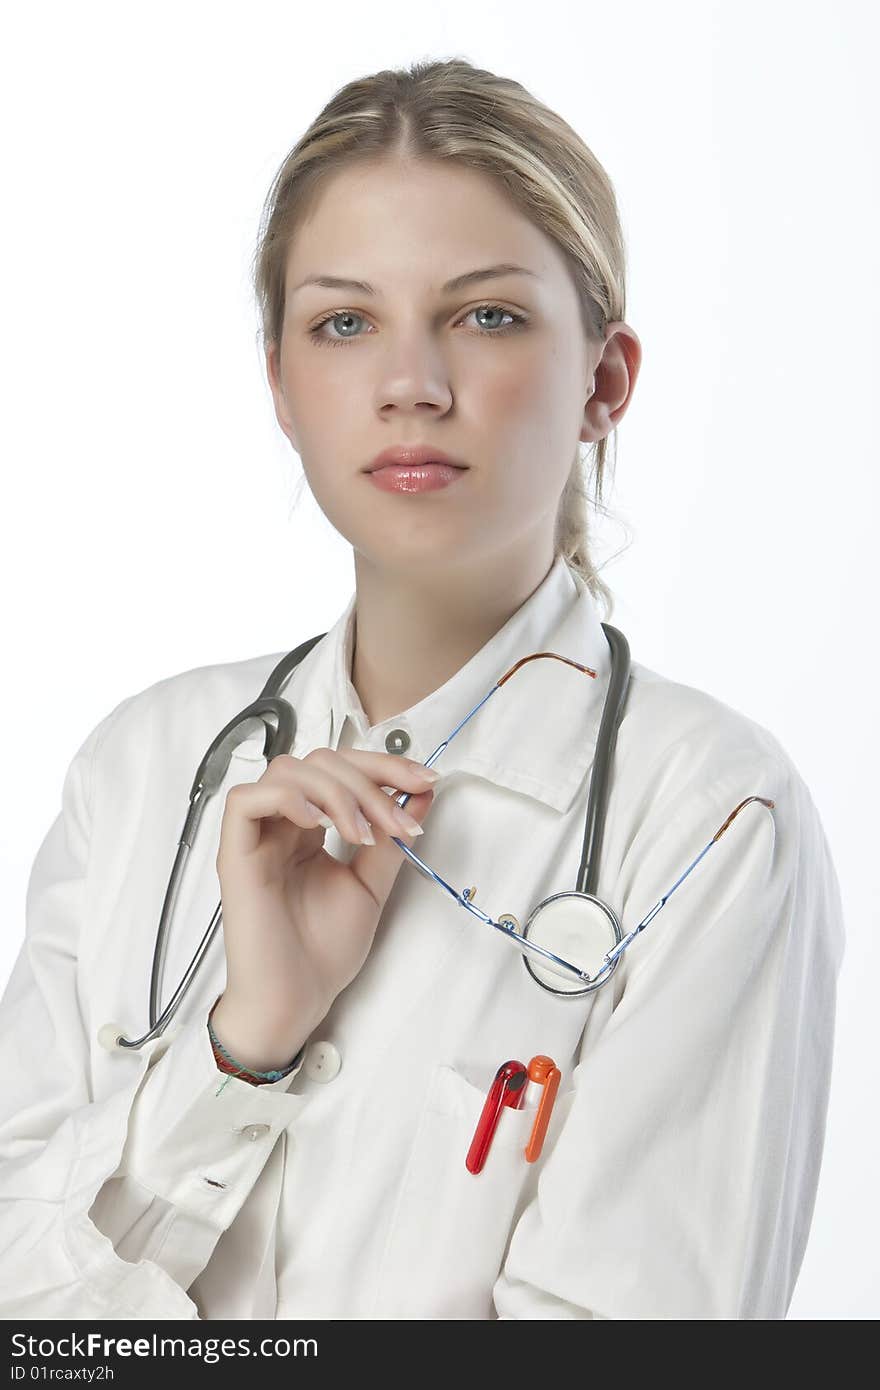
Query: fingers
344, 786
249, 803
326, 783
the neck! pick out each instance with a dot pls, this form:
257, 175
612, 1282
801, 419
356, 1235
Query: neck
414, 632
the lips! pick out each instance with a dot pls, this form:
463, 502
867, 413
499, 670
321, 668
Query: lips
411, 456
415, 467
425, 477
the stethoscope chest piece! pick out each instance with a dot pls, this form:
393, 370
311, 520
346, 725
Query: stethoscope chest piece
579, 928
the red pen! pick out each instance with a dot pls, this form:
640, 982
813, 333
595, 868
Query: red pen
508, 1088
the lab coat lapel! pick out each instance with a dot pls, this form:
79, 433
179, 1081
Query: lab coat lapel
535, 735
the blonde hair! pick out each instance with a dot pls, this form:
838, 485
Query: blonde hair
453, 111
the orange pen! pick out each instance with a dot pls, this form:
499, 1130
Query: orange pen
545, 1072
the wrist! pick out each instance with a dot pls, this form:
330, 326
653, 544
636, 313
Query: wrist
252, 1044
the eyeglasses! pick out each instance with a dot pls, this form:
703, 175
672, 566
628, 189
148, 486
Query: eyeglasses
579, 979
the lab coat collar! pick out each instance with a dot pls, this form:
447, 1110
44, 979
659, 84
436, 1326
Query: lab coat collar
536, 735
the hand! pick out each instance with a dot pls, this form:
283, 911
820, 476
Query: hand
298, 924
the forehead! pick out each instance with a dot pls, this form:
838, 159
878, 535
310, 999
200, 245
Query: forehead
407, 223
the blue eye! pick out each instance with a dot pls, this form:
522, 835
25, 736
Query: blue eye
315, 333
518, 321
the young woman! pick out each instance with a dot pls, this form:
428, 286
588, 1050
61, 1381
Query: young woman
440, 273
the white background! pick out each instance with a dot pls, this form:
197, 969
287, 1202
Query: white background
149, 517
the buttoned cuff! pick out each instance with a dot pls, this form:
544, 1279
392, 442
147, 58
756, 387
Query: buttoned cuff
199, 1137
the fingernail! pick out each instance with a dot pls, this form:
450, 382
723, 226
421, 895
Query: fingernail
407, 822
363, 825
314, 810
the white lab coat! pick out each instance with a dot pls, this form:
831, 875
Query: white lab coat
680, 1167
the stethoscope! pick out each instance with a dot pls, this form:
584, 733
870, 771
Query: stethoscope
571, 926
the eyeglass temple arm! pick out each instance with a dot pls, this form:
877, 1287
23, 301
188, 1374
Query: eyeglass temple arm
404, 798
627, 940
429, 762
401, 800
463, 898
611, 956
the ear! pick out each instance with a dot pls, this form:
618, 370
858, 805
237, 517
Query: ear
591, 423
615, 376
282, 414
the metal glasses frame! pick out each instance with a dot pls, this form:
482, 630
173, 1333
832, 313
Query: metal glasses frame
507, 923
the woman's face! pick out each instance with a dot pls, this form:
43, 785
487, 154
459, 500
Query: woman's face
496, 373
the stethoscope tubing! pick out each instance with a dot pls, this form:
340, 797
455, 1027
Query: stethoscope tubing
277, 717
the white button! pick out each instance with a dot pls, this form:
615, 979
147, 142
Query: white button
322, 1061
254, 1131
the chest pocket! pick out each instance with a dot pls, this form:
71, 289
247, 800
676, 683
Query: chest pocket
450, 1227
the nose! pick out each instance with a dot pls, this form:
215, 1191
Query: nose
414, 374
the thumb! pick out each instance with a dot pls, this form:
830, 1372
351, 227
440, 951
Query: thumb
378, 865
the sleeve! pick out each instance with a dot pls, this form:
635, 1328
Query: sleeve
683, 1180
160, 1161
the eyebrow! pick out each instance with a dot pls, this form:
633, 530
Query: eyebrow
458, 282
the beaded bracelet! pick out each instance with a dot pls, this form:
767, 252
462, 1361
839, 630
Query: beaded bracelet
228, 1064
